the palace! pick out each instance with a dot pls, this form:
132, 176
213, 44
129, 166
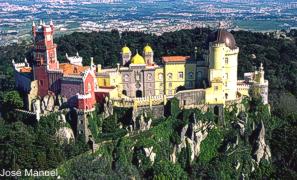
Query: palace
138, 80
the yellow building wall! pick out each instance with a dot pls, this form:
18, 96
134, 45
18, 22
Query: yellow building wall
214, 94
159, 81
175, 81
110, 80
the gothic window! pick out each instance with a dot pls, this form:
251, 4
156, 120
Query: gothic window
160, 76
170, 84
104, 82
180, 75
169, 75
216, 88
161, 85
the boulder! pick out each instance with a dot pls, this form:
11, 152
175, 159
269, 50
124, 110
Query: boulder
150, 154
65, 135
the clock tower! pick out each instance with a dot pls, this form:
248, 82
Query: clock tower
45, 60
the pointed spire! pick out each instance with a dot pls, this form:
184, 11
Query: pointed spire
51, 22
40, 22
77, 54
26, 60
66, 55
261, 67
33, 24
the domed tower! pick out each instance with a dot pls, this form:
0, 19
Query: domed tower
137, 59
126, 55
148, 55
223, 61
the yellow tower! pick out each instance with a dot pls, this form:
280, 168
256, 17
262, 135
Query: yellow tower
148, 55
126, 55
223, 61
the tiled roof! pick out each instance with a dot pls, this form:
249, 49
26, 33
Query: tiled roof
175, 58
25, 69
71, 69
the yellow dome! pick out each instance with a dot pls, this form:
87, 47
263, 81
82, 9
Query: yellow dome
137, 59
125, 50
147, 49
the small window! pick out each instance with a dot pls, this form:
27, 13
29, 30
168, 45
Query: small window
89, 87
81, 122
169, 92
226, 60
191, 74
216, 88
161, 85
169, 75
41, 82
181, 75
126, 77
160, 76
170, 84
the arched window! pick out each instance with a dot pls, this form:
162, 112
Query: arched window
169, 75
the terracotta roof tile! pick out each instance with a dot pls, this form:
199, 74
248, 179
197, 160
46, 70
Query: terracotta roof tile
69, 69
175, 58
26, 69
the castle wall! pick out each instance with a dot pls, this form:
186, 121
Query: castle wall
69, 88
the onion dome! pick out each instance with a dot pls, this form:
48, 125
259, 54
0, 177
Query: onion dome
137, 59
223, 36
125, 50
147, 49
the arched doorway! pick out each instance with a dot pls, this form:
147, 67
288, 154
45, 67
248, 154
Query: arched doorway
124, 92
138, 93
216, 110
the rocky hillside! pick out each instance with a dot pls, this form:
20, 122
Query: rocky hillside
187, 144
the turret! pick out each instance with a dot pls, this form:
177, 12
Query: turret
148, 55
261, 74
126, 55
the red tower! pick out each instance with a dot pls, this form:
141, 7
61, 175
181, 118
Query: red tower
45, 55
44, 48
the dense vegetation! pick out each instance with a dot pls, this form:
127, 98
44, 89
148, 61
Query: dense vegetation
25, 144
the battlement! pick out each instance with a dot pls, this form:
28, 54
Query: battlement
139, 102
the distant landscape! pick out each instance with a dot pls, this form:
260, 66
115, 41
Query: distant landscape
149, 16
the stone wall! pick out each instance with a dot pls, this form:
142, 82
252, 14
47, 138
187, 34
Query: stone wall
156, 111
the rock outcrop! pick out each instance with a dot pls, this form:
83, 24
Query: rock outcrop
150, 154
65, 135
261, 149
192, 136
